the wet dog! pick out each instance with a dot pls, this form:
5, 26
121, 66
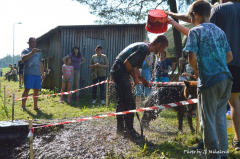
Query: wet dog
170, 94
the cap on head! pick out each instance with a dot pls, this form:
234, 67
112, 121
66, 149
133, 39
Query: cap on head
31, 38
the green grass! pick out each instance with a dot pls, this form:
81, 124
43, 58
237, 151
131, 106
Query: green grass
162, 141
50, 106
5, 70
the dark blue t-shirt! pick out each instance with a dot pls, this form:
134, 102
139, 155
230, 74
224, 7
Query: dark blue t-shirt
210, 44
162, 65
227, 17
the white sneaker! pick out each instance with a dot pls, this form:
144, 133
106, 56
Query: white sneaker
93, 101
103, 102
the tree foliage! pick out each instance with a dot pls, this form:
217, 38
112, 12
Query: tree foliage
5, 61
128, 11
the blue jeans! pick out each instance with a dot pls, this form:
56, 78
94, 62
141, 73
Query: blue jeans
212, 112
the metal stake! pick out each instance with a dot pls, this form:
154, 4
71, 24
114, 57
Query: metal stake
13, 107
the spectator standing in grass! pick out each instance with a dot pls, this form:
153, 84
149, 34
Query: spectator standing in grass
1, 72
77, 60
98, 64
209, 53
20, 68
146, 73
225, 16
160, 72
67, 74
33, 71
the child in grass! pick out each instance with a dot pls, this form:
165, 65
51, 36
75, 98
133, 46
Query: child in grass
209, 53
67, 73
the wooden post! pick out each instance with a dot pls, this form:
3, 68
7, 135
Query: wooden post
107, 92
13, 107
31, 140
197, 121
4, 99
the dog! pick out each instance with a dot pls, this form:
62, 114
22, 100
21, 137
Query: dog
171, 94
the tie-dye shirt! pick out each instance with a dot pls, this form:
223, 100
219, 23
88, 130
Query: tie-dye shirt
210, 44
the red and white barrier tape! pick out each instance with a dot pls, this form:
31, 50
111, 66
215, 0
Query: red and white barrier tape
168, 83
161, 83
70, 92
180, 103
31, 131
63, 93
9, 93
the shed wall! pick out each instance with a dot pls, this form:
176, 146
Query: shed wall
113, 39
51, 54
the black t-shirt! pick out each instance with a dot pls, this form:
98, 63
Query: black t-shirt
21, 66
135, 54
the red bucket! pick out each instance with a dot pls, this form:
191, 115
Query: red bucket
157, 21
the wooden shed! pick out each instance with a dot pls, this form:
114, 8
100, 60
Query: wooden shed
58, 42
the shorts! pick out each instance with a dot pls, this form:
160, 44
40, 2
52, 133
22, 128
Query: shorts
235, 70
20, 72
32, 82
69, 80
161, 79
139, 89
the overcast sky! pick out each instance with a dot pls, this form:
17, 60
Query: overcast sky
37, 17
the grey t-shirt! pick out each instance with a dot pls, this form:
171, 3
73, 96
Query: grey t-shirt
227, 17
32, 65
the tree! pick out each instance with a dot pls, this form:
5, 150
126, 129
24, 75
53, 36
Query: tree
128, 11
176, 33
5, 61
136, 11
131, 11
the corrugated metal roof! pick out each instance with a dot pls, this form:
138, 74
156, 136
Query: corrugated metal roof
83, 26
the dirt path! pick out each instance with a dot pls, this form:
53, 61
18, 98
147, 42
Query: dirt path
88, 139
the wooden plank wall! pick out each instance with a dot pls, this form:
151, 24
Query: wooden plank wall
113, 39
51, 47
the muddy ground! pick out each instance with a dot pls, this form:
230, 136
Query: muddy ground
88, 139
